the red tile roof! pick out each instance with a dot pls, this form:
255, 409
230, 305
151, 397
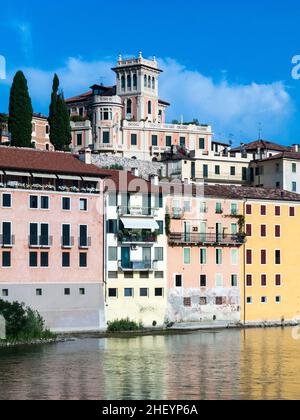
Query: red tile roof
284, 155
79, 98
123, 181
162, 102
262, 144
21, 159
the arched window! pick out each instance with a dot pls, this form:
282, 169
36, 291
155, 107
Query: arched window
153, 83
129, 82
134, 81
149, 107
149, 82
129, 107
145, 81
123, 82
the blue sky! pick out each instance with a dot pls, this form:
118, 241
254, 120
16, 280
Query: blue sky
227, 63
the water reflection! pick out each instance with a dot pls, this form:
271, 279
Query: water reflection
253, 364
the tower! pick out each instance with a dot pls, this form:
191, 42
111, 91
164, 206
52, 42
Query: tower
137, 85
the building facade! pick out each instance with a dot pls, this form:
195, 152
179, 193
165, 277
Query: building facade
51, 236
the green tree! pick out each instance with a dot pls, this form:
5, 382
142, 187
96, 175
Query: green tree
59, 119
20, 112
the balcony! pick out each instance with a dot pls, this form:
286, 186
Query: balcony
177, 213
40, 241
137, 237
67, 242
137, 265
137, 211
84, 242
7, 241
207, 239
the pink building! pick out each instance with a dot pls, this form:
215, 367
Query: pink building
51, 237
204, 255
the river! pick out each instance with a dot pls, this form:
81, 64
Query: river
251, 364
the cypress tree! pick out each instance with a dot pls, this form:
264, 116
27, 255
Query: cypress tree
59, 120
20, 112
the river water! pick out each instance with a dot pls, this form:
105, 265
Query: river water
251, 364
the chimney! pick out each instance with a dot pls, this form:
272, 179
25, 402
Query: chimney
154, 179
135, 171
85, 155
296, 148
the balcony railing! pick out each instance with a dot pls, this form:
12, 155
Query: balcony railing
84, 242
137, 211
7, 241
137, 265
40, 241
137, 237
177, 213
67, 241
209, 239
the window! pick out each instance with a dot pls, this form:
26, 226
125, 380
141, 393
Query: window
277, 257
161, 227
154, 140
278, 280
232, 171
128, 292
264, 300
129, 82
33, 234
134, 81
133, 140
187, 302
39, 292
6, 259
249, 300
244, 174
219, 256
219, 209
6, 200
178, 280
234, 280
263, 210
263, 257
83, 236
33, 259
159, 275
82, 291
249, 256
277, 231
248, 209
249, 230
5, 292
113, 293
294, 168
249, 280
149, 107
294, 187
219, 301
123, 82
47, 129
217, 170
201, 143
112, 274
112, 200
33, 202
203, 280
219, 280
205, 171
66, 259
182, 141
44, 202
106, 114
234, 257
66, 204
149, 82
66, 236
187, 206
278, 299
292, 211
263, 280
277, 211
144, 292
112, 226
203, 256
112, 253
159, 292
153, 83
83, 204
79, 139
144, 275
67, 291
44, 259
145, 80
168, 141
263, 231
106, 137
234, 209
234, 229
187, 256
83, 259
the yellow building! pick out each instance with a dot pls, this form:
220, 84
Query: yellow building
271, 290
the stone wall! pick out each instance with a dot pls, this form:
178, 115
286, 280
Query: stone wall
145, 168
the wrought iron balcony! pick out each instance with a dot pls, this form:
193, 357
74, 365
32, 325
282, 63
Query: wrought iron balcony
137, 265
139, 237
40, 241
67, 242
84, 242
7, 241
208, 239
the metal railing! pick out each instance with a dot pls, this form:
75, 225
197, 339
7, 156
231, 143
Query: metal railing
67, 241
84, 241
137, 265
40, 241
137, 237
206, 239
137, 211
7, 241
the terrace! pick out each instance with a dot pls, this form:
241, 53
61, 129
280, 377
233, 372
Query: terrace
206, 239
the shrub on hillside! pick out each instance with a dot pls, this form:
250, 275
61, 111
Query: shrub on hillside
124, 325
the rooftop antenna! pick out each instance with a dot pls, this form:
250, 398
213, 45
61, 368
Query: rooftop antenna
101, 78
260, 131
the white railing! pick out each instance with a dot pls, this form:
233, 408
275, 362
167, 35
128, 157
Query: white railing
161, 126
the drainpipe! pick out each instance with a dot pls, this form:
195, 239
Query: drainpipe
244, 264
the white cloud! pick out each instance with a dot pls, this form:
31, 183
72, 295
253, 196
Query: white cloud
230, 108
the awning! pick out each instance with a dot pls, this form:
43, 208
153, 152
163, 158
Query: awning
137, 223
89, 179
48, 176
13, 173
69, 177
